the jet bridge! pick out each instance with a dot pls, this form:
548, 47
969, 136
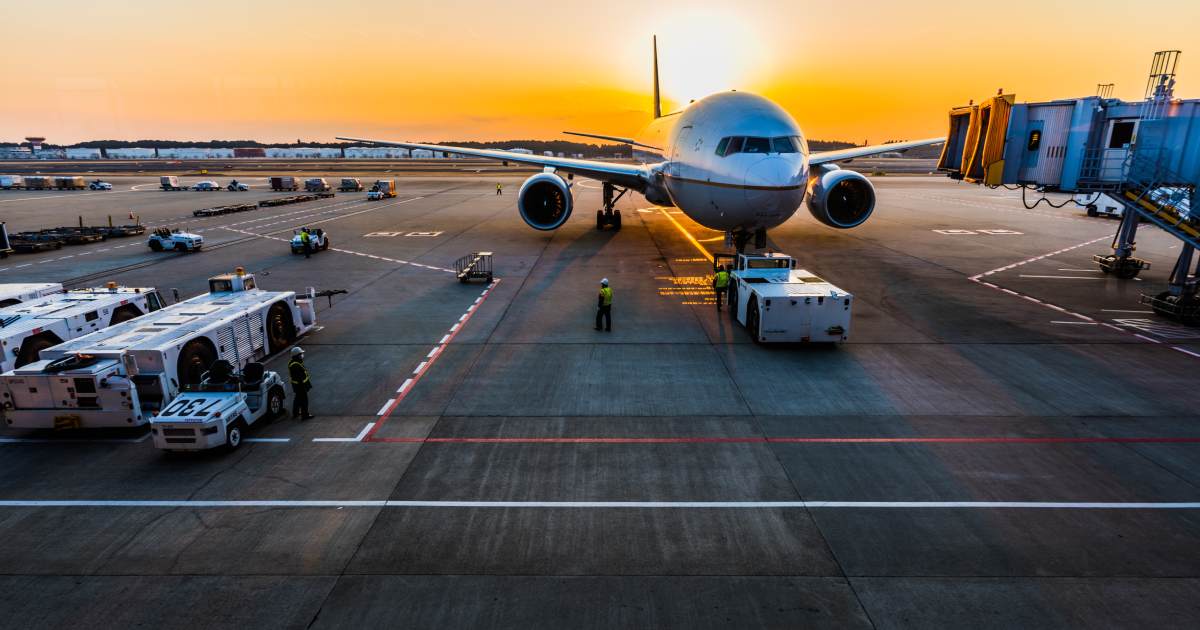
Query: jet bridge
1146, 154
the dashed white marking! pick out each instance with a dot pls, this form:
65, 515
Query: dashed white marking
445, 338
1076, 323
1185, 351
267, 440
619, 505
405, 385
385, 406
420, 367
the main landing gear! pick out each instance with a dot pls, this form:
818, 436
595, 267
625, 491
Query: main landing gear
610, 215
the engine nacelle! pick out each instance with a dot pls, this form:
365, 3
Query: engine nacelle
545, 201
840, 199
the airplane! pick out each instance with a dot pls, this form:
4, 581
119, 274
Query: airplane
731, 161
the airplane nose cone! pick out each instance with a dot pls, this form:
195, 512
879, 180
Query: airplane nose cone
764, 178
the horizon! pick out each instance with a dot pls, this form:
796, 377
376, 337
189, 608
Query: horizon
473, 70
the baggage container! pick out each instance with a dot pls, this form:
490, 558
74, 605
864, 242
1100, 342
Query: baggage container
10, 182
69, 182
283, 183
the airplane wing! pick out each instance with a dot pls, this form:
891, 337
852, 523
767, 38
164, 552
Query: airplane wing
857, 152
629, 141
626, 175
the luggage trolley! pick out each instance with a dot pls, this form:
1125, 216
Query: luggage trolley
476, 266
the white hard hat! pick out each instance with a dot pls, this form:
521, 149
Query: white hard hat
604, 281
297, 351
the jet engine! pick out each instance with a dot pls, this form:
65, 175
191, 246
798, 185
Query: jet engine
840, 199
545, 201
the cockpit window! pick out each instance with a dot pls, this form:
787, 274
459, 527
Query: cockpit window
735, 146
722, 145
757, 145
783, 144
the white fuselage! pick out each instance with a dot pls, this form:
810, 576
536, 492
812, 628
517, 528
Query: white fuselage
736, 191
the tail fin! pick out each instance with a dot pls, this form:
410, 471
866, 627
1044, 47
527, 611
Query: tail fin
657, 100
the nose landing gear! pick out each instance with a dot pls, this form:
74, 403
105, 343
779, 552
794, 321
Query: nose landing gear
741, 238
609, 215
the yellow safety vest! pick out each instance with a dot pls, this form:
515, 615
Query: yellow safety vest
304, 237
722, 279
301, 366
606, 295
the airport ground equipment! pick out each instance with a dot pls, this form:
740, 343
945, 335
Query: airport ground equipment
1143, 154
26, 243
5, 244
170, 182
318, 241
316, 184
69, 182
350, 184
236, 186
11, 182
474, 266
122, 375
219, 410
99, 185
15, 293
283, 201
777, 302
38, 182
220, 210
284, 183
207, 186
382, 189
166, 239
34, 325
1100, 205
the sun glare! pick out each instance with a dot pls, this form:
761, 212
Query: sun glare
705, 51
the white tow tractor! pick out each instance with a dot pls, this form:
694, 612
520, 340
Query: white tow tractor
219, 410
318, 240
17, 292
166, 239
777, 302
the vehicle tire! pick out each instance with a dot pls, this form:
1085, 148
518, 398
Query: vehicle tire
753, 320
124, 314
599, 219
234, 435
180, 247
733, 304
30, 348
1091, 211
281, 332
194, 360
325, 245
274, 403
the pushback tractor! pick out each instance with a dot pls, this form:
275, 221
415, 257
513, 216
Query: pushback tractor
219, 410
123, 375
777, 302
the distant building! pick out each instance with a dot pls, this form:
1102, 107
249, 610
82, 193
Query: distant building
520, 150
15, 153
83, 154
131, 153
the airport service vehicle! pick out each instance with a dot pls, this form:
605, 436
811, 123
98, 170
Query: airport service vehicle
166, 239
38, 182
15, 293
236, 186
777, 302
207, 186
350, 184
218, 411
382, 189
9, 182
1101, 205
170, 182
283, 183
32, 326
99, 185
69, 182
6, 248
318, 240
316, 184
732, 161
122, 375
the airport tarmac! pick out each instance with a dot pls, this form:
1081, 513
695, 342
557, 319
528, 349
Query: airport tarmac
1008, 439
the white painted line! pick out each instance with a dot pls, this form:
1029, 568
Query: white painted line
385, 406
23, 266
420, 367
1118, 310
754, 505
75, 440
1082, 270
1063, 277
405, 385
445, 338
1146, 338
1185, 351
455, 327
1077, 323
267, 440
433, 352
357, 438
462, 317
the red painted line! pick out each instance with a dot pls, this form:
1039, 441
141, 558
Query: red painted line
416, 378
793, 440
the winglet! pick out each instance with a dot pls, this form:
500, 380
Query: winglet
657, 100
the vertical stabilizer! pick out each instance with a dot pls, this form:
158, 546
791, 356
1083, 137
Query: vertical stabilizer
657, 99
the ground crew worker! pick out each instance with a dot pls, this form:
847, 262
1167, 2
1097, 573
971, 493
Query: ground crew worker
498, 188
306, 241
721, 285
301, 383
604, 306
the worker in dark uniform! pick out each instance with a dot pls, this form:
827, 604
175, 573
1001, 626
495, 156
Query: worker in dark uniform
306, 241
301, 383
604, 306
721, 285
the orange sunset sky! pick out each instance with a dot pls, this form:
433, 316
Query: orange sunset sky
466, 69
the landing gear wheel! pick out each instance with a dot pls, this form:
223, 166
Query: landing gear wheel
616, 219
281, 332
599, 219
194, 361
